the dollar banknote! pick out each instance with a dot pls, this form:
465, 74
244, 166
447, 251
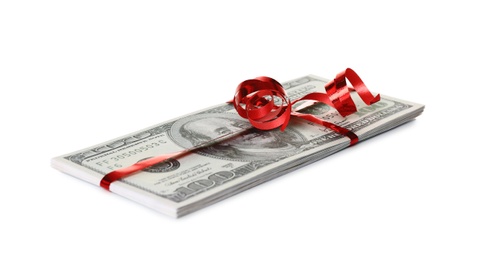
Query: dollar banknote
247, 158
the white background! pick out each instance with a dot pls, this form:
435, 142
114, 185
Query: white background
77, 73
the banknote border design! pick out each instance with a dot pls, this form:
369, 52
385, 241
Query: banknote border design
251, 166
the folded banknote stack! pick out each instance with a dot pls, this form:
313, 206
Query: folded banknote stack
184, 184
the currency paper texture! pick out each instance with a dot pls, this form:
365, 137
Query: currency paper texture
179, 186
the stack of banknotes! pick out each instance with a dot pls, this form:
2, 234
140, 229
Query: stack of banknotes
182, 185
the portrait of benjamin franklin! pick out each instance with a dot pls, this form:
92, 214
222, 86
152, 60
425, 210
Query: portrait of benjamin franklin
251, 145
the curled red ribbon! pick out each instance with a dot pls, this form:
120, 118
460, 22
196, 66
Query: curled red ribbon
265, 104
256, 100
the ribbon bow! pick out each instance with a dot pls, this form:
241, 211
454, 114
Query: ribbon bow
264, 103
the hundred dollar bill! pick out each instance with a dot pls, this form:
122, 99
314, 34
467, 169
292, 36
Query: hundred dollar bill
179, 186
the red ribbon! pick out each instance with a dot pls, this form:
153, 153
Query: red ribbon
256, 100
124, 172
265, 104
